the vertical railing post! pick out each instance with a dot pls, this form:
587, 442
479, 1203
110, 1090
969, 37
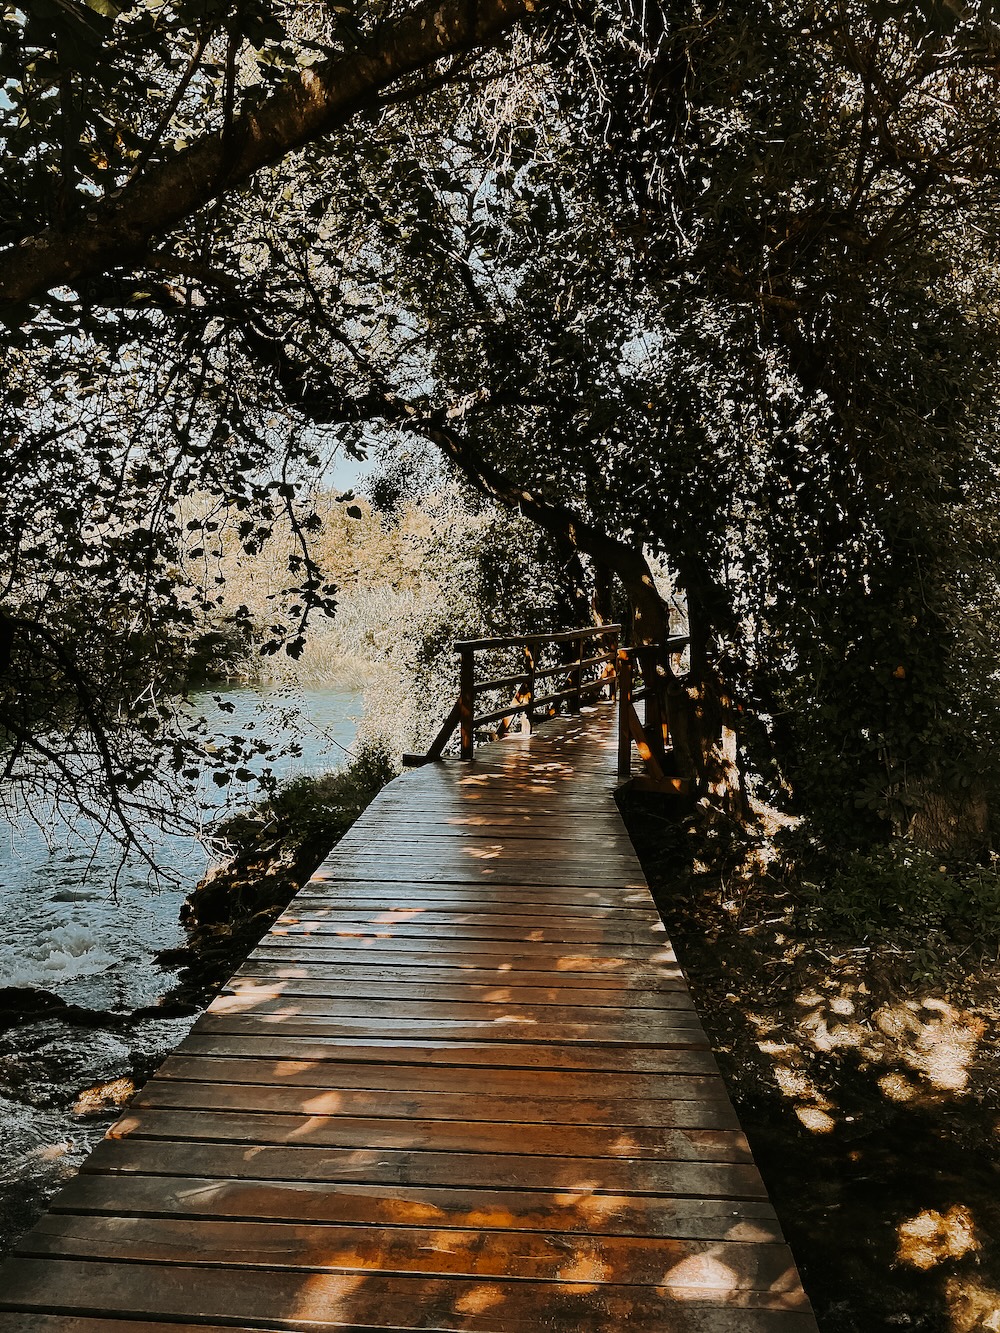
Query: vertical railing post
531, 647
612, 641
467, 699
624, 672
576, 703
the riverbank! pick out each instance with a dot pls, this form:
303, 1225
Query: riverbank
865, 1068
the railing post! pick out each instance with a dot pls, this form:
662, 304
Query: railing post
624, 665
613, 678
530, 662
467, 699
577, 701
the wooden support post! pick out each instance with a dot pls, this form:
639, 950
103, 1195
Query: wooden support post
576, 702
624, 704
531, 651
613, 667
467, 698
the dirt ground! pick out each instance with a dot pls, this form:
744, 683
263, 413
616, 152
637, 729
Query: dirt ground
868, 1083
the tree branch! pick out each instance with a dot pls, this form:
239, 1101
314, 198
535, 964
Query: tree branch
117, 231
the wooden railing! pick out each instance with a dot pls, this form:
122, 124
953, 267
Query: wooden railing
589, 668
595, 662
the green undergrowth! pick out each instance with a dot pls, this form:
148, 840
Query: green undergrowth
901, 890
919, 911
265, 855
312, 810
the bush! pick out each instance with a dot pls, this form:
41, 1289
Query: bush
903, 891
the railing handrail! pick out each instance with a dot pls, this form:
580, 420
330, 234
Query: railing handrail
621, 669
557, 636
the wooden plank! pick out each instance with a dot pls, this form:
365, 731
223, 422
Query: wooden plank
574, 957
619, 1089
322, 1301
327, 889
500, 898
465, 911
499, 962
360, 971
236, 1036
633, 1142
453, 869
512, 924
433, 1252
652, 1023
691, 1113
296, 980
417, 928
247, 998
414, 1166
569, 1212
390, 838
631, 1036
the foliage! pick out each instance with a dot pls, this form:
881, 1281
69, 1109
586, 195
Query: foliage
901, 891
720, 286
322, 809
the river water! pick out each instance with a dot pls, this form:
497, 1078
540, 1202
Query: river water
71, 930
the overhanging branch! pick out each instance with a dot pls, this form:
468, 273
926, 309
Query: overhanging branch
118, 230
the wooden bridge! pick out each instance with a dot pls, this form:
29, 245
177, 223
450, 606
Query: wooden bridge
460, 1085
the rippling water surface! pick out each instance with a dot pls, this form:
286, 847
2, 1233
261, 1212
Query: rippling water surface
67, 928
70, 929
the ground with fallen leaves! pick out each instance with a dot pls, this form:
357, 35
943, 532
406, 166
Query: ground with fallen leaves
867, 1080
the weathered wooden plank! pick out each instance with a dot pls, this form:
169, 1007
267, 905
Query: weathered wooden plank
433, 1252
453, 869
686, 1113
567, 967
321, 1301
412, 1166
246, 996
584, 956
362, 971
568, 1212
632, 1142
458, 905
497, 1030
296, 981
268, 1000
328, 888
456, 913
238, 1036
417, 926
619, 1090
611, 849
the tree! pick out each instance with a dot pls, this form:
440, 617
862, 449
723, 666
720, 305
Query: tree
678, 288
119, 125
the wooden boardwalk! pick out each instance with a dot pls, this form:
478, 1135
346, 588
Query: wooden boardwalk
459, 1086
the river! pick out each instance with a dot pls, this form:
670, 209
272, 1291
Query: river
69, 929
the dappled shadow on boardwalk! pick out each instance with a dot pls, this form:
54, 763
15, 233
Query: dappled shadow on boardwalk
459, 1086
